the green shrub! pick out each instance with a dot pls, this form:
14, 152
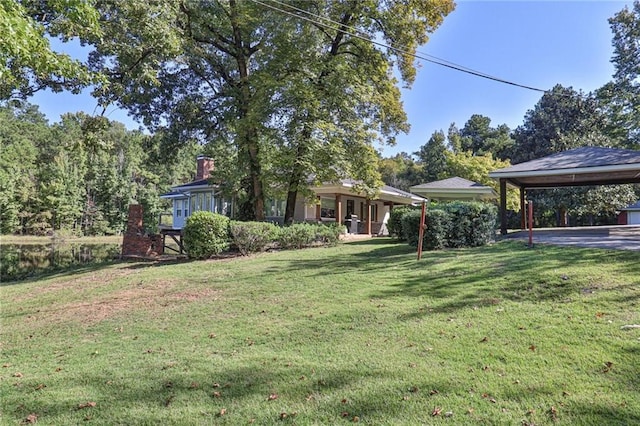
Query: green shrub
435, 234
253, 237
297, 236
394, 224
472, 223
206, 234
329, 233
457, 224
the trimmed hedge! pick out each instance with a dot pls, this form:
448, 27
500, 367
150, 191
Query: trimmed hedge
457, 224
253, 237
206, 234
300, 235
394, 224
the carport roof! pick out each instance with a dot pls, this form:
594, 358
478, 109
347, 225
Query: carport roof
580, 166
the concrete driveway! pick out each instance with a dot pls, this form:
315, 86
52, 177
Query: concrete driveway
620, 237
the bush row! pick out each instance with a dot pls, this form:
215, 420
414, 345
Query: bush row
207, 234
449, 225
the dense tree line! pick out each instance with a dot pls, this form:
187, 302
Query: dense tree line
81, 174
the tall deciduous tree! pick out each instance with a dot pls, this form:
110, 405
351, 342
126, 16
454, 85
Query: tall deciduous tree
559, 113
621, 97
478, 137
284, 97
433, 158
476, 168
27, 61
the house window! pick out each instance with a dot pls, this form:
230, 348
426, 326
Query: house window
274, 207
178, 208
185, 205
328, 207
207, 202
374, 212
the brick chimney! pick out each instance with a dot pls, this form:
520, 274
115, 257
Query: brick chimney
205, 166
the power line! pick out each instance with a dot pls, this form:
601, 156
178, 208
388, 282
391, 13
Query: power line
416, 54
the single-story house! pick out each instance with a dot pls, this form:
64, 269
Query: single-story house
630, 215
455, 188
335, 202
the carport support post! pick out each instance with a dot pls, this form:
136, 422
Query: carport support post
503, 206
523, 219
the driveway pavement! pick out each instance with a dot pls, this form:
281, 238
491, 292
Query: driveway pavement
621, 237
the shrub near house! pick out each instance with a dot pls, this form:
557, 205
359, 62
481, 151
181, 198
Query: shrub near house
452, 225
207, 234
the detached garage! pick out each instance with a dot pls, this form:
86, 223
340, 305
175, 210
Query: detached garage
630, 215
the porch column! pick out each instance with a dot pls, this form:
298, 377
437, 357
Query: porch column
523, 212
503, 206
339, 217
318, 207
368, 217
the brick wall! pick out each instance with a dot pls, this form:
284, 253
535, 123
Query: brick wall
135, 241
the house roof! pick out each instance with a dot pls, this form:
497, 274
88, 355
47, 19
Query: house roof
633, 207
455, 188
387, 193
580, 166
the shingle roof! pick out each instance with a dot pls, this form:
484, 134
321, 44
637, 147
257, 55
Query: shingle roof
588, 156
451, 183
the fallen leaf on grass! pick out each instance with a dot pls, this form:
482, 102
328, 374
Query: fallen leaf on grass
272, 397
344, 414
217, 395
41, 386
484, 339
169, 400
532, 348
222, 412
433, 392
414, 389
86, 405
344, 401
607, 367
17, 374
599, 314
554, 413
355, 419
436, 411
31, 419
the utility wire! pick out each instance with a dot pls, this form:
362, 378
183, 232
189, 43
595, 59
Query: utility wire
416, 54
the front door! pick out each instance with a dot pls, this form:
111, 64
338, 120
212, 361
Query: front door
180, 211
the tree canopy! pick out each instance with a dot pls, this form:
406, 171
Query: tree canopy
27, 61
287, 98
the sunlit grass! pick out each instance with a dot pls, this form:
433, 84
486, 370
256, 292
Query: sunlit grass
361, 332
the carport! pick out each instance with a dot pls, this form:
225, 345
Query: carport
577, 167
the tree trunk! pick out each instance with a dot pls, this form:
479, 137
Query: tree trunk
247, 132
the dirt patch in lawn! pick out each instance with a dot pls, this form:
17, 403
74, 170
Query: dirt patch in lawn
159, 295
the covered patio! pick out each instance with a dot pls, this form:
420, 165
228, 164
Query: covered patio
577, 167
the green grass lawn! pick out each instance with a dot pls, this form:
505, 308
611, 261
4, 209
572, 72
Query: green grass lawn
498, 335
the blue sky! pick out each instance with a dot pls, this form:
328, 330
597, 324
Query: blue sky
538, 44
